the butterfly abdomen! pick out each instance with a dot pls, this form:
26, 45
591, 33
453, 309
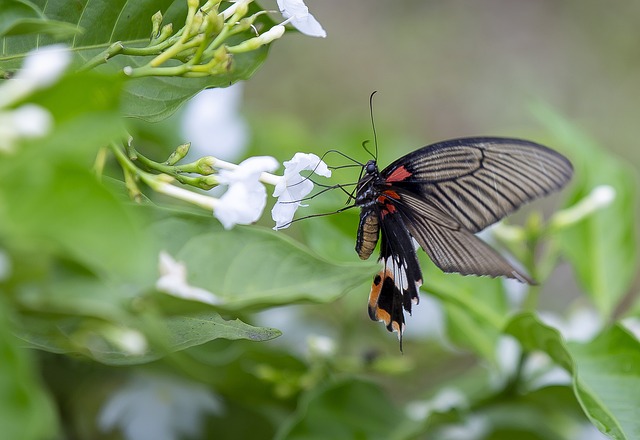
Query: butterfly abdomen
367, 233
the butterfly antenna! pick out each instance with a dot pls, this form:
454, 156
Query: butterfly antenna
373, 125
356, 162
324, 214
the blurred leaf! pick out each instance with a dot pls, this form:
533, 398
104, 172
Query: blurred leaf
26, 411
252, 268
602, 247
349, 409
104, 22
77, 335
606, 372
19, 17
51, 204
475, 308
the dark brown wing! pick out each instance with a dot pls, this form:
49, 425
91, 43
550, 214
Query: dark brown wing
478, 181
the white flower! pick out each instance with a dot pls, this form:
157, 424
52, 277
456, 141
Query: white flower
298, 13
581, 325
321, 346
600, 197
213, 125
445, 400
292, 187
173, 280
155, 407
246, 197
27, 121
129, 340
41, 68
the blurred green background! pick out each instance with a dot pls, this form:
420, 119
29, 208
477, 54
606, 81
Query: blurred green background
455, 68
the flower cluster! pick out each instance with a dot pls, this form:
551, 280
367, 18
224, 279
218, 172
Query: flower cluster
246, 196
204, 46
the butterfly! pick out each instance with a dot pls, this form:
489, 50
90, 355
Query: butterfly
440, 196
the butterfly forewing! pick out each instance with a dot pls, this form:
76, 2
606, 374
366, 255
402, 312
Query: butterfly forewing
478, 181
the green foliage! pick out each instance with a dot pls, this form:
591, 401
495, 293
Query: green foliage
278, 339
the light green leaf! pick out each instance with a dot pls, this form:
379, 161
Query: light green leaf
475, 307
26, 411
77, 335
251, 268
603, 247
606, 372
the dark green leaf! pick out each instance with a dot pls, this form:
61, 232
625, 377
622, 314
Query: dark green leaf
18, 17
106, 22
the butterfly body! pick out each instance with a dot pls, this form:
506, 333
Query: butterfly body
439, 196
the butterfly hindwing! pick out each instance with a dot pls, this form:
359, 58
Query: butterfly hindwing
395, 287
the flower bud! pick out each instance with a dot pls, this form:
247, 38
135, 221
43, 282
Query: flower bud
600, 197
179, 154
156, 21
254, 43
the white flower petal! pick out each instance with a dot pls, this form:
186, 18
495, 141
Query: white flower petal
43, 66
31, 121
241, 204
300, 17
293, 187
27, 121
212, 123
152, 407
173, 281
246, 197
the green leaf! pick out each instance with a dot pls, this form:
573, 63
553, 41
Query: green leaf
603, 247
18, 17
251, 268
475, 308
183, 332
606, 372
26, 411
91, 338
104, 22
349, 409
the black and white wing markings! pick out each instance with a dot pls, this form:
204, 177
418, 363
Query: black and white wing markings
395, 287
478, 181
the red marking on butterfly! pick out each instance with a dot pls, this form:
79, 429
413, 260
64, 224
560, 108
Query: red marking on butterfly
398, 175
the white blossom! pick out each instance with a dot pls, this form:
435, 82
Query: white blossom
246, 197
213, 125
26, 122
158, 407
298, 14
293, 187
173, 280
41, 68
